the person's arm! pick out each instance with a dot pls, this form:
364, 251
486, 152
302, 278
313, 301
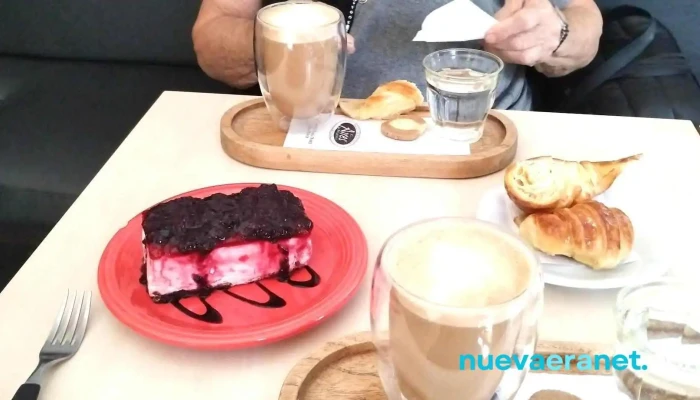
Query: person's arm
223, 40
581, 45
529, 31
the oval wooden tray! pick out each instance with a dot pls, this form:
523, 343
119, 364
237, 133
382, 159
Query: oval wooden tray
249, 136
346, 369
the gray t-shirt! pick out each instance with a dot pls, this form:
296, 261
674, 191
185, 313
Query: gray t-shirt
383, 32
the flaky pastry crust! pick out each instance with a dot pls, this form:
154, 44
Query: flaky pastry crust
590, 233
547, 183
387, 101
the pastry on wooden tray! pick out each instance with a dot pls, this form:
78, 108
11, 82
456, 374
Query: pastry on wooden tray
388, 100
547, 183
405, 127
590, 233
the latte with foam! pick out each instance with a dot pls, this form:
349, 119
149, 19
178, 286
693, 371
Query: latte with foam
458, 287
300, 56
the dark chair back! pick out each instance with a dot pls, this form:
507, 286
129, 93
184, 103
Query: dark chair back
154, 31
679, 16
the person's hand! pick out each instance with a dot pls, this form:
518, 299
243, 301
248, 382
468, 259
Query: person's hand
527, 32
351, 44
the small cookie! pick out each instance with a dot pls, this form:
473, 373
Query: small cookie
404, 127
553, 395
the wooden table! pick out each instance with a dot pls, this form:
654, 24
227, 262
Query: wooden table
176, 148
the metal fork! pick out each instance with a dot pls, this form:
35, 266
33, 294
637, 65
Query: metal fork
63, 342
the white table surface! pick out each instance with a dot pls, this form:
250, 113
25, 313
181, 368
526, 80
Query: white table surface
175, 148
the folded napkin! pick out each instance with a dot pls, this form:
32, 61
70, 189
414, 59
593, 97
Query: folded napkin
457, 21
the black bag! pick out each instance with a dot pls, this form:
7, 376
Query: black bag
639, 71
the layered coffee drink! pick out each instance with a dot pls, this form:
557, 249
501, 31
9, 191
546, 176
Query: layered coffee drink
456, 294
300, 51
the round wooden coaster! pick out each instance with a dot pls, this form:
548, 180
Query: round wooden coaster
249, 136
344, 369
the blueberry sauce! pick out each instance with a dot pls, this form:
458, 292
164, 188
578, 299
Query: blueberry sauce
189, 224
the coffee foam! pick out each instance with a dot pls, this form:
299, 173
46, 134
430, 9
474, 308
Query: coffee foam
296, 23
457, 272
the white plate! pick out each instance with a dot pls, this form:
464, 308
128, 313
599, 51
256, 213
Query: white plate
642, 266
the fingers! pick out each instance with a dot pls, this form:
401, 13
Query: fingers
527, 48
520, 42
522, 21
528, 57
351, 44
528, 35
509, 8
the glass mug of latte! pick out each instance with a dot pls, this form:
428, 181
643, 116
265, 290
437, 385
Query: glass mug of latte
461, 91
660, 323
449, 296
300, 55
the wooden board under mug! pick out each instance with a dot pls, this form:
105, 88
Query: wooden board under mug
249, 136
346, 369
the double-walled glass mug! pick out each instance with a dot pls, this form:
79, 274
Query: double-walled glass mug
453, 300
300, 55
461, 91
658, 333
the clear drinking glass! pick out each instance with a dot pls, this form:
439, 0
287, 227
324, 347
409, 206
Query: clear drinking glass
461, 85
660, 323
300, 54
445, 292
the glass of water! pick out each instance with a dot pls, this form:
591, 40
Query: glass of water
658, 330
461, 85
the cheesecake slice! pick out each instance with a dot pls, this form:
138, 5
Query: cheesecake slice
192, 246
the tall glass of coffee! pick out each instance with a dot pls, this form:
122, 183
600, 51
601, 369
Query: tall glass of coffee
300, 54
461, 90
454, 300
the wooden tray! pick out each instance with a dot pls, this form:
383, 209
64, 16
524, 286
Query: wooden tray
346, 369
249, 136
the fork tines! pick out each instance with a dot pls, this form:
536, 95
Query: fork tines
71, 321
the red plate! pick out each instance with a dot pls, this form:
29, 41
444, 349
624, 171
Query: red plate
339, 257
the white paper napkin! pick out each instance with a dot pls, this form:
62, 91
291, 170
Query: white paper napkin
457, 21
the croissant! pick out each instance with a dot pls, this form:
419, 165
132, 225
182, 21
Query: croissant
388, 100
546, 183
590, 233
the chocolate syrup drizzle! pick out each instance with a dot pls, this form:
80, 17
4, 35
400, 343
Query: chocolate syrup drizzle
210, 314
283, 275
213, 316
274, 301
313, 280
